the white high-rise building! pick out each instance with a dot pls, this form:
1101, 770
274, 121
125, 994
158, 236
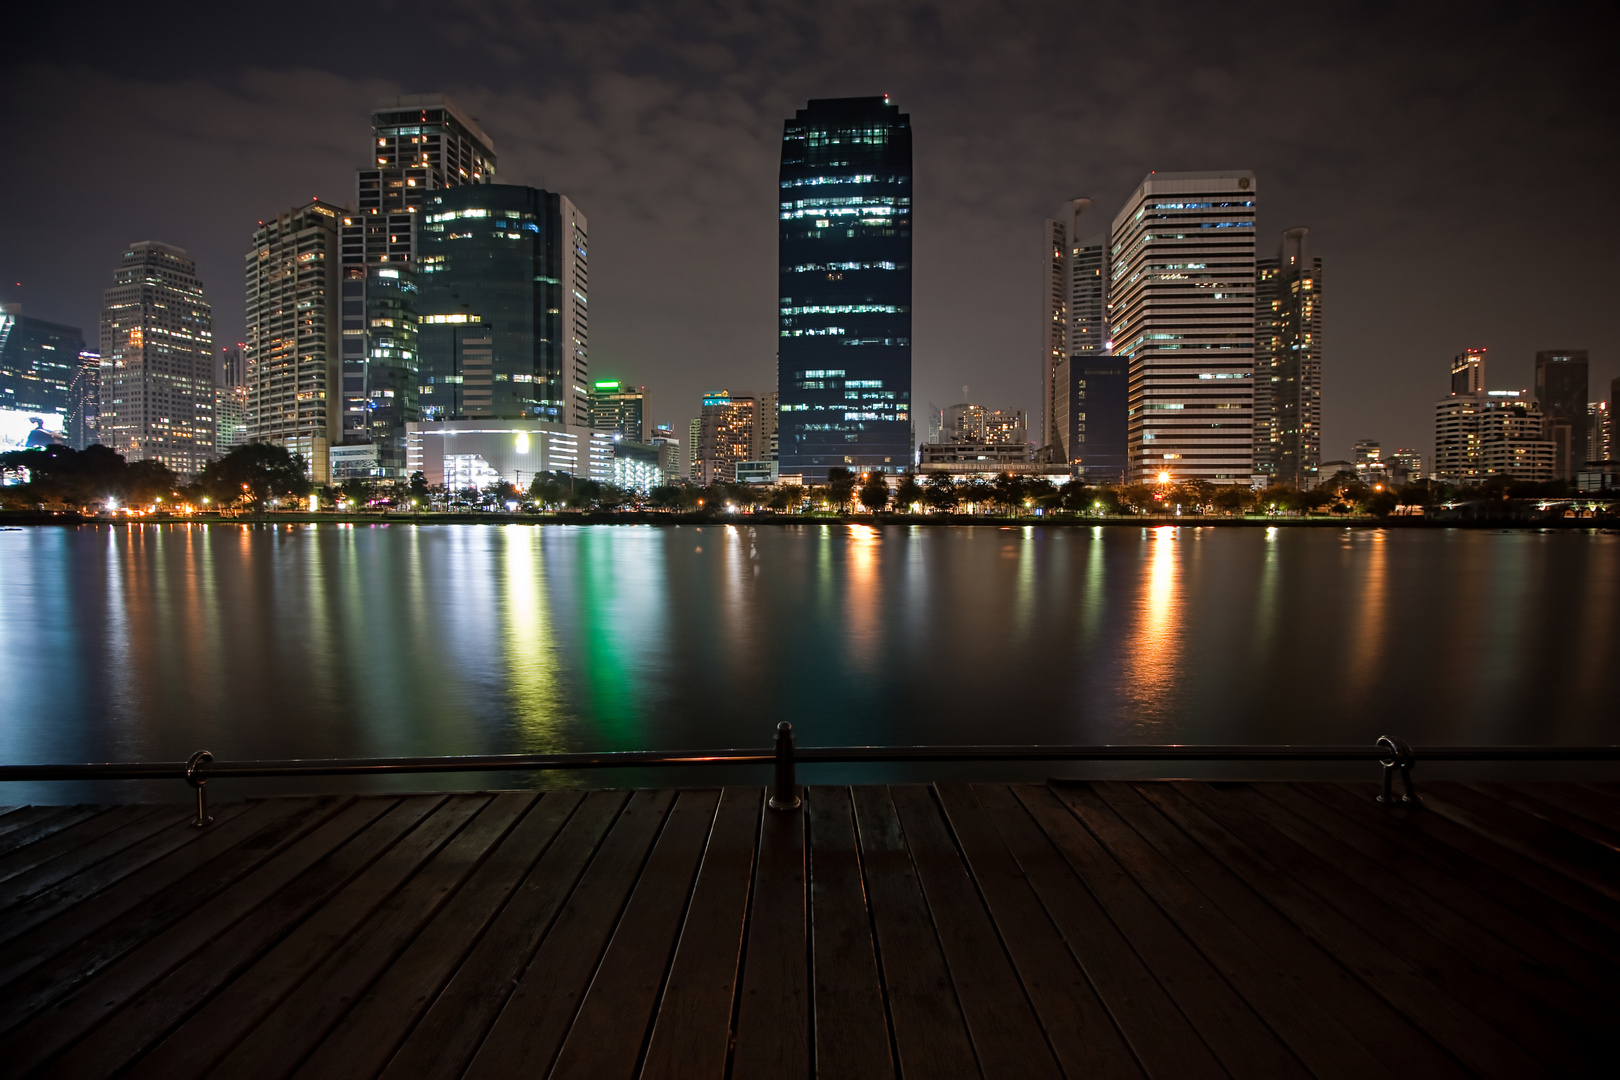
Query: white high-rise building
1181, 291
292, 360
157, 356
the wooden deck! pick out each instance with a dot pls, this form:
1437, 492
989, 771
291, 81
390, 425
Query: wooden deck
1152, 929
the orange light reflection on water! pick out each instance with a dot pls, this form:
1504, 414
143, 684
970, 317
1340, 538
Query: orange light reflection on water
1153, 648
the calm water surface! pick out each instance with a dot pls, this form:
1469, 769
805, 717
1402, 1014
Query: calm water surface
331, 640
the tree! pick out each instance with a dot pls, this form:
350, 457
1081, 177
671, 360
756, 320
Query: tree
940, 494
875, 492
1139, 498
418, 487
978, 494
255, 472
840, 487
1075, 496
908, 494
1008, 492
785, 497
1233, 499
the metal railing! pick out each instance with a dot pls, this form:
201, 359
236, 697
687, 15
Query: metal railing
1395, 755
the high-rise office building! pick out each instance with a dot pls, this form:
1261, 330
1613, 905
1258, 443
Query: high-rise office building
232, 370
38, 364
619, 407
969, 423
1181, 295
694, 449
1405, 465
1083, 385
1468, 372
844, 359
84, 408
1288, 364
1599, 431
502, 303
729, 433
291, 355
1055, 322
1561, 389
1483, 433
770, 416
157, 356
420, 145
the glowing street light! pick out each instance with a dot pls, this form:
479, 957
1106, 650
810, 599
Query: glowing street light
1164, 477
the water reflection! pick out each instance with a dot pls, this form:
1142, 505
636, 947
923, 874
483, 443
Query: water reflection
526, 639
1153, 645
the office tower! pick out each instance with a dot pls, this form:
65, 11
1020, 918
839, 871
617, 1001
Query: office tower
1288, 364
38, 364
291, 354
694, 449
1181, 315
1484, 433
502, 302
728, 432
1056, 326
619, 407
1468, 372
769, 424
1367, 457
157, 356
420, 145
84, 397
231, 427
1599, 431
669, 452
1561, 390
1096, 384
1405, 465
232, 370
844, 363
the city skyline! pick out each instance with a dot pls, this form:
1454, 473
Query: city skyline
673, 157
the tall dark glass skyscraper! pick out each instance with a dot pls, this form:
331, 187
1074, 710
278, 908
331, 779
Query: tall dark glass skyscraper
503, 305
844, 359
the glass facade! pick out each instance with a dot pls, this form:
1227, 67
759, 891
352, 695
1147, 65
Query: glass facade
39, 361
497, 299
844, 351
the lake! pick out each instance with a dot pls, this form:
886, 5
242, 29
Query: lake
332, 640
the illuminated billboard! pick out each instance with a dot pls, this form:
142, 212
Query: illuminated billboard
21, 430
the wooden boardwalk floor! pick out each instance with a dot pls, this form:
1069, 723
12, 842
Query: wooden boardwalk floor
1166, 929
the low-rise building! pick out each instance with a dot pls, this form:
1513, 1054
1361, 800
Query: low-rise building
462, 454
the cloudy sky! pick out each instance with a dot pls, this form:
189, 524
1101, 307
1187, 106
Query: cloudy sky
1455, 163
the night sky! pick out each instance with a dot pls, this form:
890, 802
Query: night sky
1456, 164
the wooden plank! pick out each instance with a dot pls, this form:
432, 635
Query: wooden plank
56, 858
53, 1030
135, 1027
1338, 910
1006, 1034
449, 1034
1163, 1040
1515, 954
691, 1036
1544, 806
72, 949
27, 824
1081, 1033
1577, 800
1226, 935
93, 822
1575, 857
1551, 900
368, 1036
930, 1035
537, 1015
773, 1012
1226, 1019
94, 882
209, 1034
851, 1024
609, 1032
285, 1037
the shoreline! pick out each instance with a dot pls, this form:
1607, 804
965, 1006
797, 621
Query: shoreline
1452, 520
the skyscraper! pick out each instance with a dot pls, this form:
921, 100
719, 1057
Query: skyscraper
619, 407
84, 394
157, 354
1083, 386
1561, 389
1181, 314
1056, 324
1288, 364
291, 354
1468, 372
421, 144
729, 432
502, 302
844, 359
38, 365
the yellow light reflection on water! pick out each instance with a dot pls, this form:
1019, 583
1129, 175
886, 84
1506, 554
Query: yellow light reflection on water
1152, 652
1366, 650
532, 667
863, 596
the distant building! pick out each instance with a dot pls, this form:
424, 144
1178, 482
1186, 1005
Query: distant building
157, 355
1083, 385
38, 364
1599, 431
232, 370
770, 424
420, 145
292, 356
729, 433
694, 449
637, 466
969, 423
1561, 390
757, 472
502, 306
1367, 455
844, 296
463, 454
1405, 466
619, 408
84, 394
1288, 364
1480, 434
985, 455
1181, 292
230, 422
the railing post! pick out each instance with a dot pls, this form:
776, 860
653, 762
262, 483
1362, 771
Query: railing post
1402, 758
785, 795
198, 760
